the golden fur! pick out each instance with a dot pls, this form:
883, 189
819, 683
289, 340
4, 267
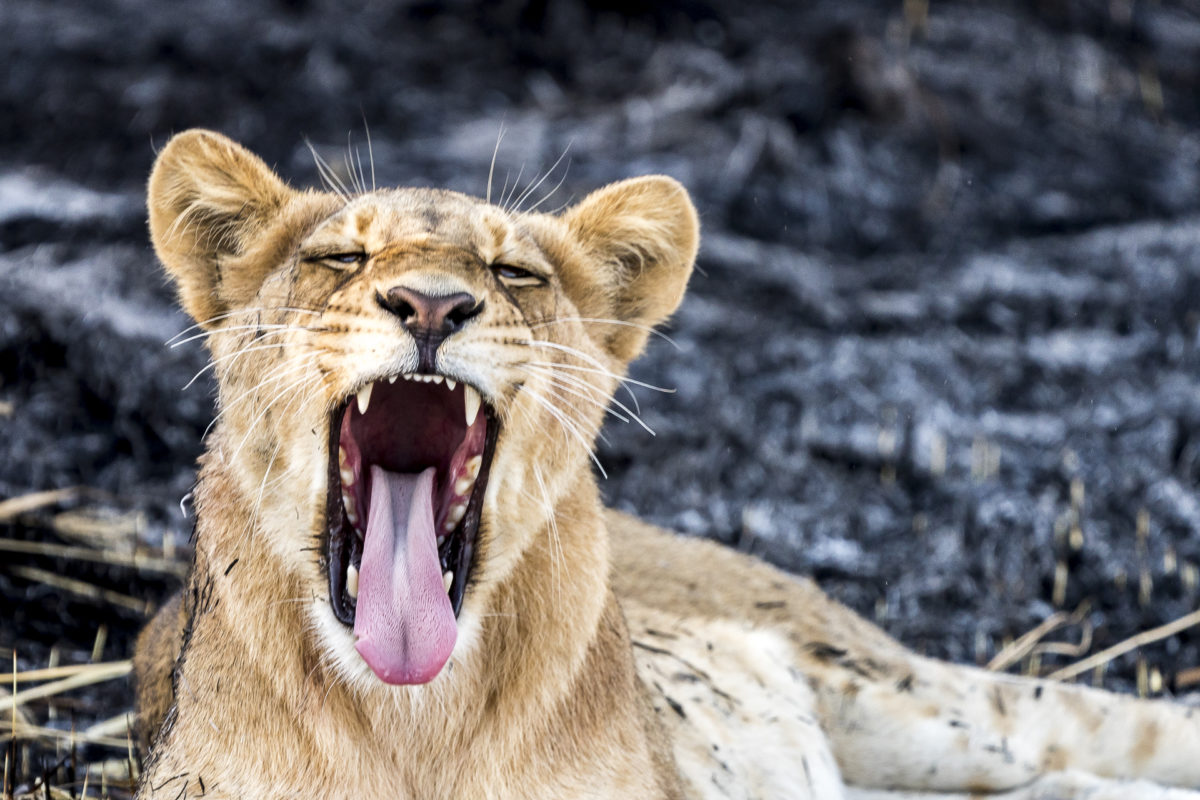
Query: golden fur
681, 670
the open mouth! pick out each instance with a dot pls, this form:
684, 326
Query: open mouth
409, 462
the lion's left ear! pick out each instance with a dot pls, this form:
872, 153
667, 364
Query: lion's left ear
645, 233
210, 200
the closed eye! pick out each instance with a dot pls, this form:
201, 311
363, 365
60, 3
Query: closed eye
336, 260
515, 276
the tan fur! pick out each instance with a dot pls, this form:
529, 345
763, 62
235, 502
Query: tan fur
682, 670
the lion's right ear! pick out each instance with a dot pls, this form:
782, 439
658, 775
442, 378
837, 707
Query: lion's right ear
209, 200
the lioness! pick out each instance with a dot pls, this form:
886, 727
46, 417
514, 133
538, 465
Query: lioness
405, 584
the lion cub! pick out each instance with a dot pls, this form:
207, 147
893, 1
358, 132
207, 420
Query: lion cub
405, 584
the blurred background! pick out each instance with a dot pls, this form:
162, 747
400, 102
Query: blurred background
941, 351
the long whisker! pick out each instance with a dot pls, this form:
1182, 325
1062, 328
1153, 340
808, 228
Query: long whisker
492, 167
606, 373
370, 149
282, 372
515, 186
550, 193
533, 187
568, 426
556, 550
601, 321
327, 174
350, 174
296, 385
206, 334
234, 356
584, 385
233, 313
566, 387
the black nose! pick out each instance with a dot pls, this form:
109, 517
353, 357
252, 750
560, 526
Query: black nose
426, 315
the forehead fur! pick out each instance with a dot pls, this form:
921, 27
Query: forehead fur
379, 220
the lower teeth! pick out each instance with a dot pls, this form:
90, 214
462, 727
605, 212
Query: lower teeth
352, 581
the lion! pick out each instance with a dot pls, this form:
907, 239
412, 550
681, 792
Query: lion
404, 582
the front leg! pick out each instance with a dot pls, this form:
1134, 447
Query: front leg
1056, 786
928, 725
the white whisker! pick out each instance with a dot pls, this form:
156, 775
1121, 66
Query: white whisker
492, 167
556, 551
599, 320
327, 174
515, 186
568, 426
234, 356
280, 372
295, 386
207, 334
533, 187
584, 385
234, 313
612, 375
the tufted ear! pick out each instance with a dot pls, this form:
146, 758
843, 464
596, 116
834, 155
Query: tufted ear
210, 201
645, 232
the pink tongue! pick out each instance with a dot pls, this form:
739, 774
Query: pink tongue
404, 622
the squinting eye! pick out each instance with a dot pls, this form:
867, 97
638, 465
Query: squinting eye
336, 260
510, 273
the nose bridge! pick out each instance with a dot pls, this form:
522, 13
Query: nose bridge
429, 281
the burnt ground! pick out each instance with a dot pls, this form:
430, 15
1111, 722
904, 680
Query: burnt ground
941, 353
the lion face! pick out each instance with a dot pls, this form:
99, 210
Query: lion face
410, 381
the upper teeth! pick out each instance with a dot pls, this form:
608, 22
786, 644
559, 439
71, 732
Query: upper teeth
364, 398
472, 404
471, 398
421, 377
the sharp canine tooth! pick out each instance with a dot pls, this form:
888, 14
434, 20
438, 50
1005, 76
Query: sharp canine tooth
451, 384
472, 466
364, 398
463, 485
352, 581
448, 579
472, 404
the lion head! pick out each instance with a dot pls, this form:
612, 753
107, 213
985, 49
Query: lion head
410, 380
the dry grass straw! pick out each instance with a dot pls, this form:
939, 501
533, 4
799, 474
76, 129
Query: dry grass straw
65, 671
13, 507
27, 731
82, 589
1132, 643
99, 527
1187, 678
1030, 643
135, 561
86, 675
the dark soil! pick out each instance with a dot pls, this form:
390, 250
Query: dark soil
942, 347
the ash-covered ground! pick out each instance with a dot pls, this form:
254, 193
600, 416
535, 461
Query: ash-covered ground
941, 351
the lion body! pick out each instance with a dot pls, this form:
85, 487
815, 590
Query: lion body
596, 656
